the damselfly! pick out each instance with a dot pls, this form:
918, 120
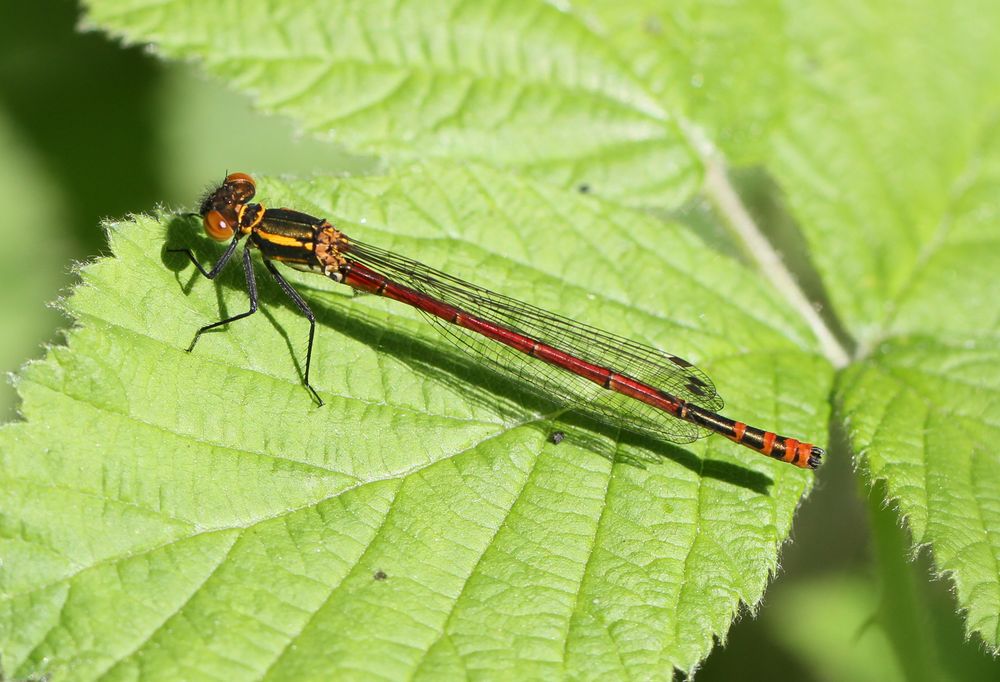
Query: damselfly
611, 377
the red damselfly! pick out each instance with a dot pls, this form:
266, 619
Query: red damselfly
609, 376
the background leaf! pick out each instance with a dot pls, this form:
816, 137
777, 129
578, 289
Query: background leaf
196, 515
881, 124
905, 218
722, 65
927, 429
519, 84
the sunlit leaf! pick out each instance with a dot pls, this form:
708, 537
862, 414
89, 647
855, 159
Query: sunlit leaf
196, 514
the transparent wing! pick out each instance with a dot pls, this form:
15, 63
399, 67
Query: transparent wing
655, 368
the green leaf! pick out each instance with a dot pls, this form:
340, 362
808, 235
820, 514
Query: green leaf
881, 124
518, 84
880, 188
192, 515
719, 64
875, 120
924, 416
898, 197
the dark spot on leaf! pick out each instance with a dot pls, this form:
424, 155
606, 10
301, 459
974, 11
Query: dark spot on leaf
380, 575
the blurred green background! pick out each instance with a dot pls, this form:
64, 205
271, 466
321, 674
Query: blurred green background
90, 130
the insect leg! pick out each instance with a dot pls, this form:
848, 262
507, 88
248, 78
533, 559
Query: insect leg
219, 264
251, 289
305, 310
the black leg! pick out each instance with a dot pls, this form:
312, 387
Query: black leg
219, 264
304, 308
251, 289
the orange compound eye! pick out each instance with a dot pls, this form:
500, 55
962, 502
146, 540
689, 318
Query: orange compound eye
242, 185
218, 226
